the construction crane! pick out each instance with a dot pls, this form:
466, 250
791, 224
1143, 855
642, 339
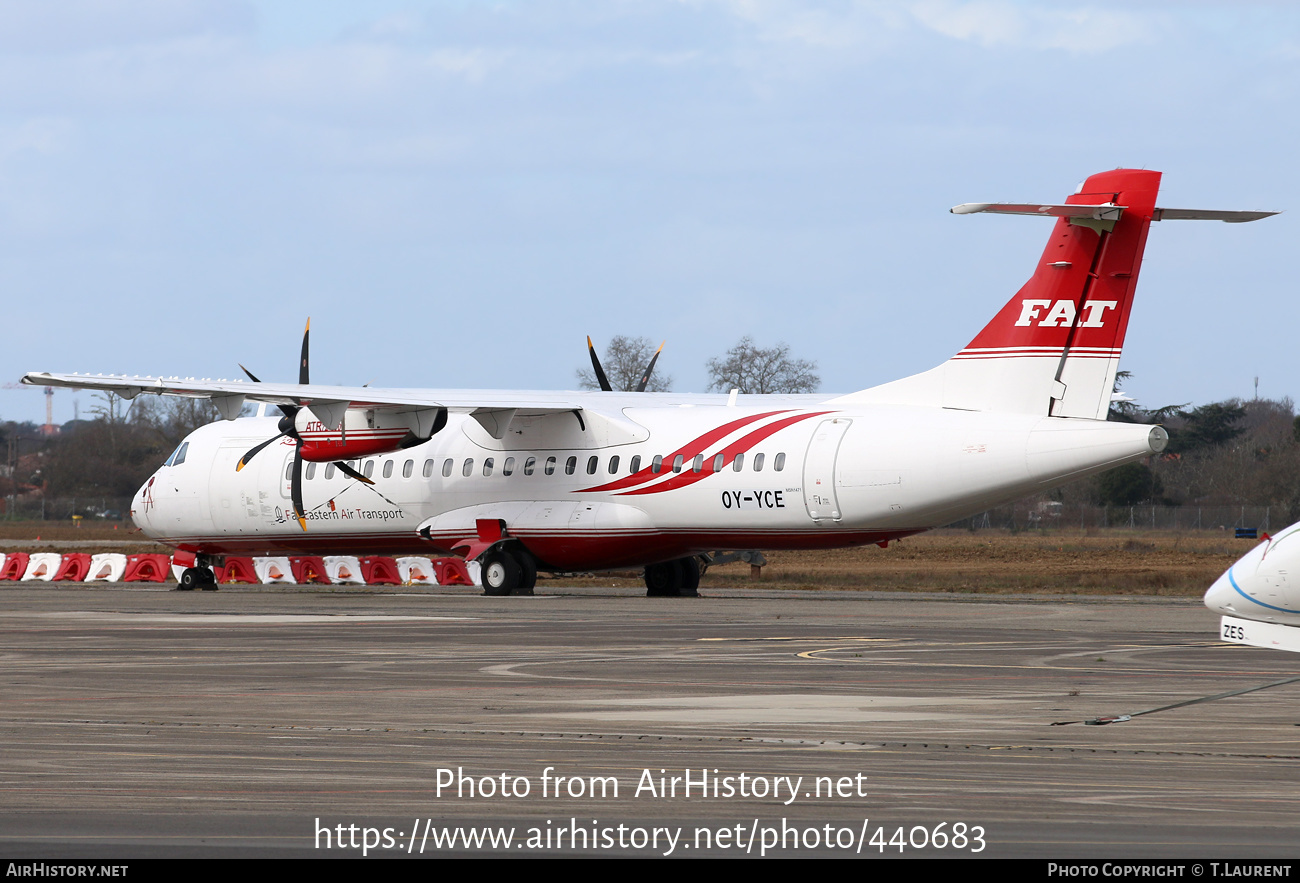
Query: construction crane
48, 428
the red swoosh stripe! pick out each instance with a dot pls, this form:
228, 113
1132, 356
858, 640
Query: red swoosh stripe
741, 445
688, 452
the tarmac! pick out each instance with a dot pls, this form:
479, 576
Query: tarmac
141, 722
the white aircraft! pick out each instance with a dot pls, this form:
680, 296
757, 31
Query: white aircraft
567, 481
1259, 596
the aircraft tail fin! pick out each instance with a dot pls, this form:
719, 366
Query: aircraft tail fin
1054, 348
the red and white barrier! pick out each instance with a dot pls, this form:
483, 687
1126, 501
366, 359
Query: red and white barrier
42, 566
73, 569
378, 571
305, 569
343, 570
416, 571
237, 570
107, 567
273, 570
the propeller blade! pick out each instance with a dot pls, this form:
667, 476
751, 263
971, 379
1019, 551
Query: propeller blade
350, 472
302, 368
243, 461
295, 487
645, 378
287, 410
595, 363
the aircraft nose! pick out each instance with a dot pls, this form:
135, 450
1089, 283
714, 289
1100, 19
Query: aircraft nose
143, 503
1221, 595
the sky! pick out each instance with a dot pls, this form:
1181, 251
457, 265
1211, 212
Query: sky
457, 193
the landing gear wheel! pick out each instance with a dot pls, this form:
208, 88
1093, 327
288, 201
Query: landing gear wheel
501, 573
197, 578
527, 574
690, 568
663, 580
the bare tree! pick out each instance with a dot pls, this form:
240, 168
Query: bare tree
754, 370
625, 361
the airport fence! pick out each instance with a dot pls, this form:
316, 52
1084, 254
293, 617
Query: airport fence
87, 509
1056, 516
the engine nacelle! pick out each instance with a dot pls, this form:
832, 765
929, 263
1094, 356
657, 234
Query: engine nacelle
364, 432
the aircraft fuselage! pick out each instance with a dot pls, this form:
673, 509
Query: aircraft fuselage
633, 483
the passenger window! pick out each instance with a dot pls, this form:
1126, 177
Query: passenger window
388, 469
529, 465
699, 463
718, 462
408, 468
468, 469
677, 463
311, 471
570, 465
738, 463
329, 471
635, 466
370, 468
758, 462
508, 467
657, 464
447, 466
288, 470
487, 467
592, 463
613, 465
428, 469
779, 463
550, 466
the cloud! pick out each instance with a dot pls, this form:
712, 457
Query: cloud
1001, 23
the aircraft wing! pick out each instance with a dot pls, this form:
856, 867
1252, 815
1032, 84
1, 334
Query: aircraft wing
328, 403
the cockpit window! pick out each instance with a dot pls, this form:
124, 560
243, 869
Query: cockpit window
178, 456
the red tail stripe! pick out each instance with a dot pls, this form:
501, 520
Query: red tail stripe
740, 446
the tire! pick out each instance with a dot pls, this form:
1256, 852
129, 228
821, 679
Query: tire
501, 574
527, 574
189, 580
691, 570
663, 580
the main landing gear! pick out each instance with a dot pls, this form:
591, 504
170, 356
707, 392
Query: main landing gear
673, 579
200, 576
507, 572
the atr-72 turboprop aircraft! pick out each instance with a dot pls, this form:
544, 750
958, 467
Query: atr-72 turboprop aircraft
565, 481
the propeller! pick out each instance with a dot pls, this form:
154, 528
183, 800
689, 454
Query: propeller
595, 364
649, 369
288, 427
600, 372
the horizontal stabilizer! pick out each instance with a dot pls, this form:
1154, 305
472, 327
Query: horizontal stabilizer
1198, 214
1103, 212
1106, 212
